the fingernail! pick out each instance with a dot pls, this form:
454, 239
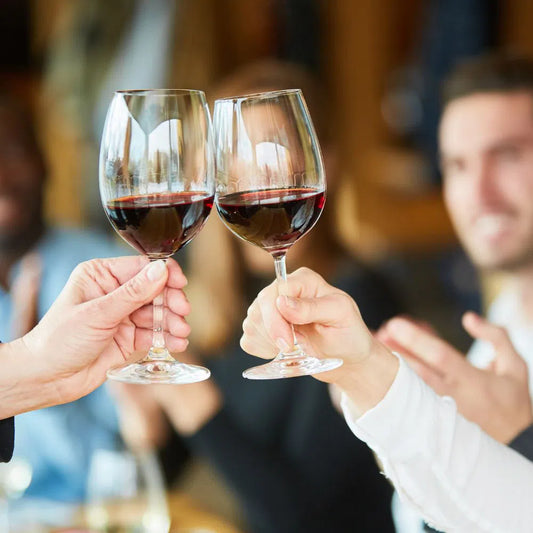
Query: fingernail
282, 345
156, 270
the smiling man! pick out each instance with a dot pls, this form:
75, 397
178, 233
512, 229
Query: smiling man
486, 154
486, 145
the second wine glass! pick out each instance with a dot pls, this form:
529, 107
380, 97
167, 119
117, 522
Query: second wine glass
270, 191
157, 187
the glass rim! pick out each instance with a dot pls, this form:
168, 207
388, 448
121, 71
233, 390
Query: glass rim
160, 92
259, 96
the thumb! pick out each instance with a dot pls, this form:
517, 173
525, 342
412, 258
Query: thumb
136, 292
507, 360
331, 310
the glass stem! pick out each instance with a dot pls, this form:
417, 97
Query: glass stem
158, 349
281, 277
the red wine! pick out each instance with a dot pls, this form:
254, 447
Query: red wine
272, 219
158, 225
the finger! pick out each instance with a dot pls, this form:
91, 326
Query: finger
177, 326
336, 309
388, 340
132, 295
264, 314
177, 301
305, 283
173, 323
143, 342
481, 328
429, 375
176, 277
254, 342
115, 271
124, 268
144, 315
176, 344
431, 350
507, 358
395, 347
121, 269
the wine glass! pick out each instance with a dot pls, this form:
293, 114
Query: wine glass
15, 478
126, 492
270, 191
157, 187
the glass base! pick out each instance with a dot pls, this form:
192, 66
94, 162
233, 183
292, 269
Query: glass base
291, 367
149, 371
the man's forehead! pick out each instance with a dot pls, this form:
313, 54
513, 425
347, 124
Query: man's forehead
486, 118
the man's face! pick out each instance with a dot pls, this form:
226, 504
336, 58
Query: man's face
21, 181
486, 145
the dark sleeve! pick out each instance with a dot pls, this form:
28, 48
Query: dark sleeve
173, 456
253, 472
7, 439
314, 484
523, 443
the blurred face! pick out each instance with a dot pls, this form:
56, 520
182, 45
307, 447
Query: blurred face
21, 182
486, 145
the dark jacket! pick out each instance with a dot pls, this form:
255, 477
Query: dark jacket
7, 438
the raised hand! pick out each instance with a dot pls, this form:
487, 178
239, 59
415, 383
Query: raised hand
496, 398
328, 324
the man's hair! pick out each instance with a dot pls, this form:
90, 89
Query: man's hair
497, 72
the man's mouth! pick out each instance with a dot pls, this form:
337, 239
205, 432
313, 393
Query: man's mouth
491, 225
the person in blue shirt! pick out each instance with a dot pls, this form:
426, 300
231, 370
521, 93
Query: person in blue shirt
35, 263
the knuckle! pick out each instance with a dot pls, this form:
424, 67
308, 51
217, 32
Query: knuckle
253, 312
247, 327
346, 301
132, 288
302, 273
83, 269
501, 333
263, 295
245, 344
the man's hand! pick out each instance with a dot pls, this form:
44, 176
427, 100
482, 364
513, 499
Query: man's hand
497, 398
101, 319
328, 324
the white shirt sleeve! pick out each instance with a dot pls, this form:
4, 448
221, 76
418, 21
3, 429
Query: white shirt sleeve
457, 477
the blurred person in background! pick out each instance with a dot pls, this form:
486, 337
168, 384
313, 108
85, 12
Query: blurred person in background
35, 263
280, 445
486, 154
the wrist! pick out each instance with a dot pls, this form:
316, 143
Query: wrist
516, 430
366, 382
23, 384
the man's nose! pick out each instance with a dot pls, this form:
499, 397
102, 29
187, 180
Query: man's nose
486, 182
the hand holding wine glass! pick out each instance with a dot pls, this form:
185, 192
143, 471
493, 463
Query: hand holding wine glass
271, 191
157, 186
